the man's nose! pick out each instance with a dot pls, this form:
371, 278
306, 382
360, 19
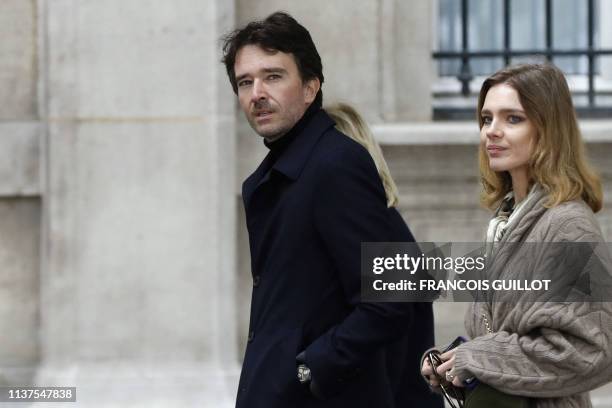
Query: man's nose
258, 91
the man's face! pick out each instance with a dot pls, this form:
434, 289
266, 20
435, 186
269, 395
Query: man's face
270, 90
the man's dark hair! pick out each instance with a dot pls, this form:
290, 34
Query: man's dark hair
278, 32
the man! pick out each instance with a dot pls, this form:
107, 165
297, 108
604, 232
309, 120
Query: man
309, 205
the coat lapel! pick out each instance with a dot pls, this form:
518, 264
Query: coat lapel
261, 174
293, 160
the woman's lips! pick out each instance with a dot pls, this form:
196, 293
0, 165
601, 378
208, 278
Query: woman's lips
495, 150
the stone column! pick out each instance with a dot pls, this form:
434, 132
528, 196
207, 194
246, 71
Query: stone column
407, 67
137, 286
19, 193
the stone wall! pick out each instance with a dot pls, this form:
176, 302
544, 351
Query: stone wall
117, 201
124, 264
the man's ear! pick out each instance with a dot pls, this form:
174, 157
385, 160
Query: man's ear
311, 88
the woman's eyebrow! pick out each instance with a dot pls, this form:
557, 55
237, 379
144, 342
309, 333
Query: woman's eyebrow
504, 110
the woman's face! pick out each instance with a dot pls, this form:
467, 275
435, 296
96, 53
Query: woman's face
507, 135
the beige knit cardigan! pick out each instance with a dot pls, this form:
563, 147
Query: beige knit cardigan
552, 351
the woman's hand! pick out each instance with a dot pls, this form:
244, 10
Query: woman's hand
448, 364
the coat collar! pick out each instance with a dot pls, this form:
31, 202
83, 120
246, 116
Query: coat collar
293, 159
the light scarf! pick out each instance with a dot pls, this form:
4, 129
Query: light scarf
507, 214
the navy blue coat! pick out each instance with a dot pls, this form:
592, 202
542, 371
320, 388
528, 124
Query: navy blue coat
307, 215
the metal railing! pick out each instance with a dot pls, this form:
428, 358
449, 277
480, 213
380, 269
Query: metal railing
465, 75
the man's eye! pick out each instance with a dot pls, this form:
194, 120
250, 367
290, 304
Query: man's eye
273, 77
244, 83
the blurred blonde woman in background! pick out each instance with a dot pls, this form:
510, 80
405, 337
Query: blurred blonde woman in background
352, 124
403, 355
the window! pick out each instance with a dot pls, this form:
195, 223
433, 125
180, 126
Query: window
478, 37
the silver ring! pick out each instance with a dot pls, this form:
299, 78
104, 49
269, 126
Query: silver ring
449, 377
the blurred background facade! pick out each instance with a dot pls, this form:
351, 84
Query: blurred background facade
124, 263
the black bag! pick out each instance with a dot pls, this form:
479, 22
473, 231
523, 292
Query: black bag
485, 396
477, 394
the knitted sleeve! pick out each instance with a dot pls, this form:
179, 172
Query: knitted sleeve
567, 351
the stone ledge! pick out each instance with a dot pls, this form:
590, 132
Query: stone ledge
465, 132
426, 133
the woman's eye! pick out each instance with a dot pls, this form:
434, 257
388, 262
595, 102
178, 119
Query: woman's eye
486, 120
514, 119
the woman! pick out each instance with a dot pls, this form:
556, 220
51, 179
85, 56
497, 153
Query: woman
350, 122
534, 171
403, 355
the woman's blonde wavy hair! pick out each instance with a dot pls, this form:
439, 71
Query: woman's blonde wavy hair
558, 163
352, 124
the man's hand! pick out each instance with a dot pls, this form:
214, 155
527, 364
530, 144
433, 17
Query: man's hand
427, 372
